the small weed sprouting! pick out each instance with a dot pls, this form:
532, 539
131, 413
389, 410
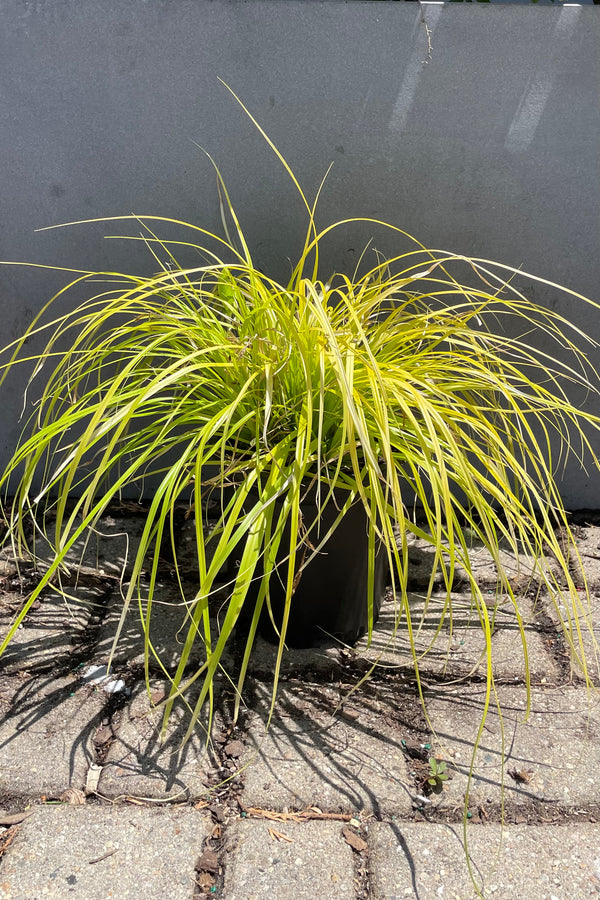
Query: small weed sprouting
434, 783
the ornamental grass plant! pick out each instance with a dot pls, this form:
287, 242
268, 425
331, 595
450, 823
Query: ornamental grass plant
398, 385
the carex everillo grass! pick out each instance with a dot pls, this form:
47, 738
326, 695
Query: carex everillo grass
398, 384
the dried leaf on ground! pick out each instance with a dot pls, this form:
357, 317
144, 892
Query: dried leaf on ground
73, 796
205, 882
278, 836
356, 842
208, 861
233, 749
521, 776
103, 735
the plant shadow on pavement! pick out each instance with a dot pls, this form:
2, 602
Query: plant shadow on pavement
347, 746
524, 768
451, 836
343, 757
46, 733
154, 764
56, 720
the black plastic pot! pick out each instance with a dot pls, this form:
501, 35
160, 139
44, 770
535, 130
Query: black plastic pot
330, 599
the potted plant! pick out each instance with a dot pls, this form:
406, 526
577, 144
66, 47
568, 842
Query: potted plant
306, 409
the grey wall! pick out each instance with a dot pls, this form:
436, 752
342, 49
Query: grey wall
474, 127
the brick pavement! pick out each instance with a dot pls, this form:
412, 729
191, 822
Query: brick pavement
330, 800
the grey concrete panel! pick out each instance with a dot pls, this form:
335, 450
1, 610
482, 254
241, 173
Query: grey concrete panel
473, 127
308, 757
543, 758
110, 547
326, 660
584, 558
46, 735
147, 853
581, 626
429, 861
294, 866
52, 629
169, 621
144, 764
450, 641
